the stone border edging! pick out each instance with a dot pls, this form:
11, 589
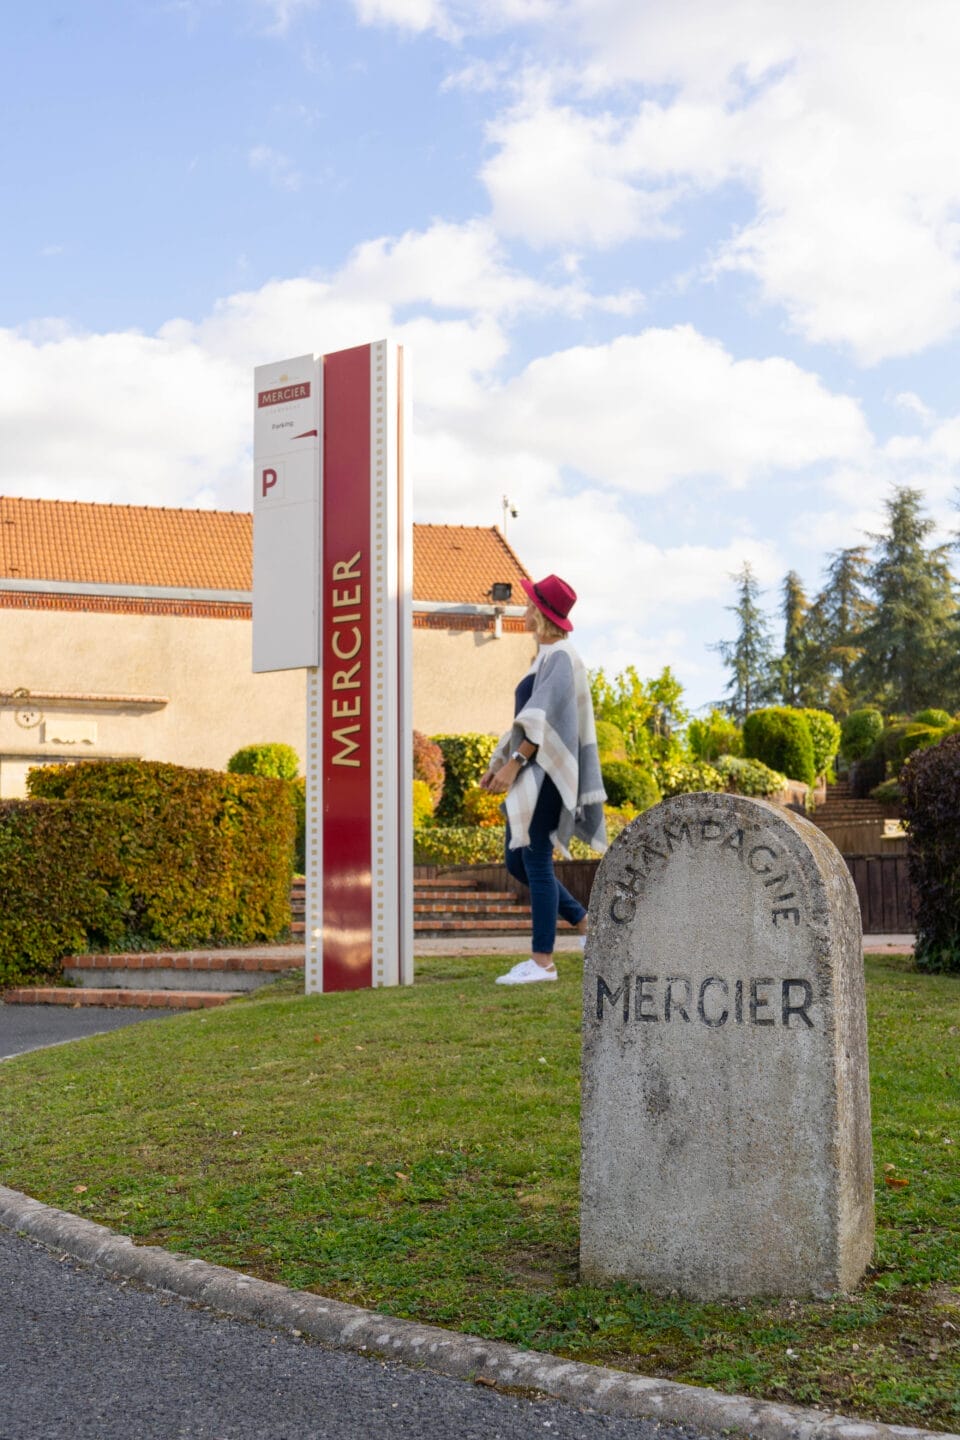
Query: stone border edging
465, 1357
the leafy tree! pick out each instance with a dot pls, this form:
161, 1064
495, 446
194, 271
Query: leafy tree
648, 713
749, 658
714, 736
906, 655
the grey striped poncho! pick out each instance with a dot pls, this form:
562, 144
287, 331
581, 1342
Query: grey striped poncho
558, 719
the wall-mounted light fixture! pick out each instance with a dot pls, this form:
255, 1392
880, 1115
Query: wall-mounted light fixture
500, 593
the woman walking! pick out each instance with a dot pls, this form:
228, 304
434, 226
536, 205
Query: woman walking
549, 770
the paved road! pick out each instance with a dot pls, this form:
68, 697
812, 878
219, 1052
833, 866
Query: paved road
30, 1027
84, 1358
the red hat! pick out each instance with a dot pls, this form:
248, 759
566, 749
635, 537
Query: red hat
553, 597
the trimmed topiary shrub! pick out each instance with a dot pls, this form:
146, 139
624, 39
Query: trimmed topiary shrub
930, 782
825, 738
939, 719
428, 765
465, 758
860, 732
273, 761
59, 866
780, 737
205, 858
749, 777
626, 784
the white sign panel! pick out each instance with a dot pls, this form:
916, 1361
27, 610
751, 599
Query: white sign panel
286, 514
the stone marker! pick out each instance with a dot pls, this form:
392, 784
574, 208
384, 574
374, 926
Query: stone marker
726, 1105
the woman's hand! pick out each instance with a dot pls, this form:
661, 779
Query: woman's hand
499, 781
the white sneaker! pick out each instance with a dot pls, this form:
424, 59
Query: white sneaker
527, 972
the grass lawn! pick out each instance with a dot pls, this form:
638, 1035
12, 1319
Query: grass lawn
416, 1151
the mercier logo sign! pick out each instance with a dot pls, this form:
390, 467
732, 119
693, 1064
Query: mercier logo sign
283, 394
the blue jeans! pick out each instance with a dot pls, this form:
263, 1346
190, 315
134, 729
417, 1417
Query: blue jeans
532, 865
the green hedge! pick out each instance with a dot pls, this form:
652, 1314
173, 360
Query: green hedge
687, 777
749, 777
465, 758
780, 737
627, 784
458, 845
59, 863
204, 858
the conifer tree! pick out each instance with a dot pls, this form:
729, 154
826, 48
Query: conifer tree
793, 662
906, 659
749, 658
835, 630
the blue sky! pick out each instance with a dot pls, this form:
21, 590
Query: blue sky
682, 281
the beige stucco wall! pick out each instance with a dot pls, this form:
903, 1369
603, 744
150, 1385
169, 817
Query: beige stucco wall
463, 680
215, 704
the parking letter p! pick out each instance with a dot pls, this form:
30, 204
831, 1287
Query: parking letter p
268, 478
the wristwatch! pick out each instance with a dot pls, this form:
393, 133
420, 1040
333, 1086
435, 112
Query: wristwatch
520, 758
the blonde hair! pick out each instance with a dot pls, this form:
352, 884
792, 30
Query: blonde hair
544, 628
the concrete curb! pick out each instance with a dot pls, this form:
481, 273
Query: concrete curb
466, 1357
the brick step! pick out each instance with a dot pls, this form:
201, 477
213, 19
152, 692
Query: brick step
445, 882
844, 816
138, 999
471, 926
468, 908
465, 897
225, 971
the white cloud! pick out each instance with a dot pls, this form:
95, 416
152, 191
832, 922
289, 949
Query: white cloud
841, 131
650, 409
277, 167
415, 15
121, 417
560, 177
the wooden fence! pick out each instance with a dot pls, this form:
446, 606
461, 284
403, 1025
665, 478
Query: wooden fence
882, 884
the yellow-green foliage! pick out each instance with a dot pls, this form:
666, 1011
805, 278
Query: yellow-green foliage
611, 742
465, 758
203, 857
56, 863
458, 845
422, 803
275, 761
480, 807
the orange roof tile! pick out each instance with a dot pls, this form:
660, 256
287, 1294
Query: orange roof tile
139, 545
457, 564
132, 545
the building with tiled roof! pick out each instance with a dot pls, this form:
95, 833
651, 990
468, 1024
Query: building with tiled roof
125, 630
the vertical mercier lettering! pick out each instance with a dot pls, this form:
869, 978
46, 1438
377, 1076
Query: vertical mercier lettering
346, 642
